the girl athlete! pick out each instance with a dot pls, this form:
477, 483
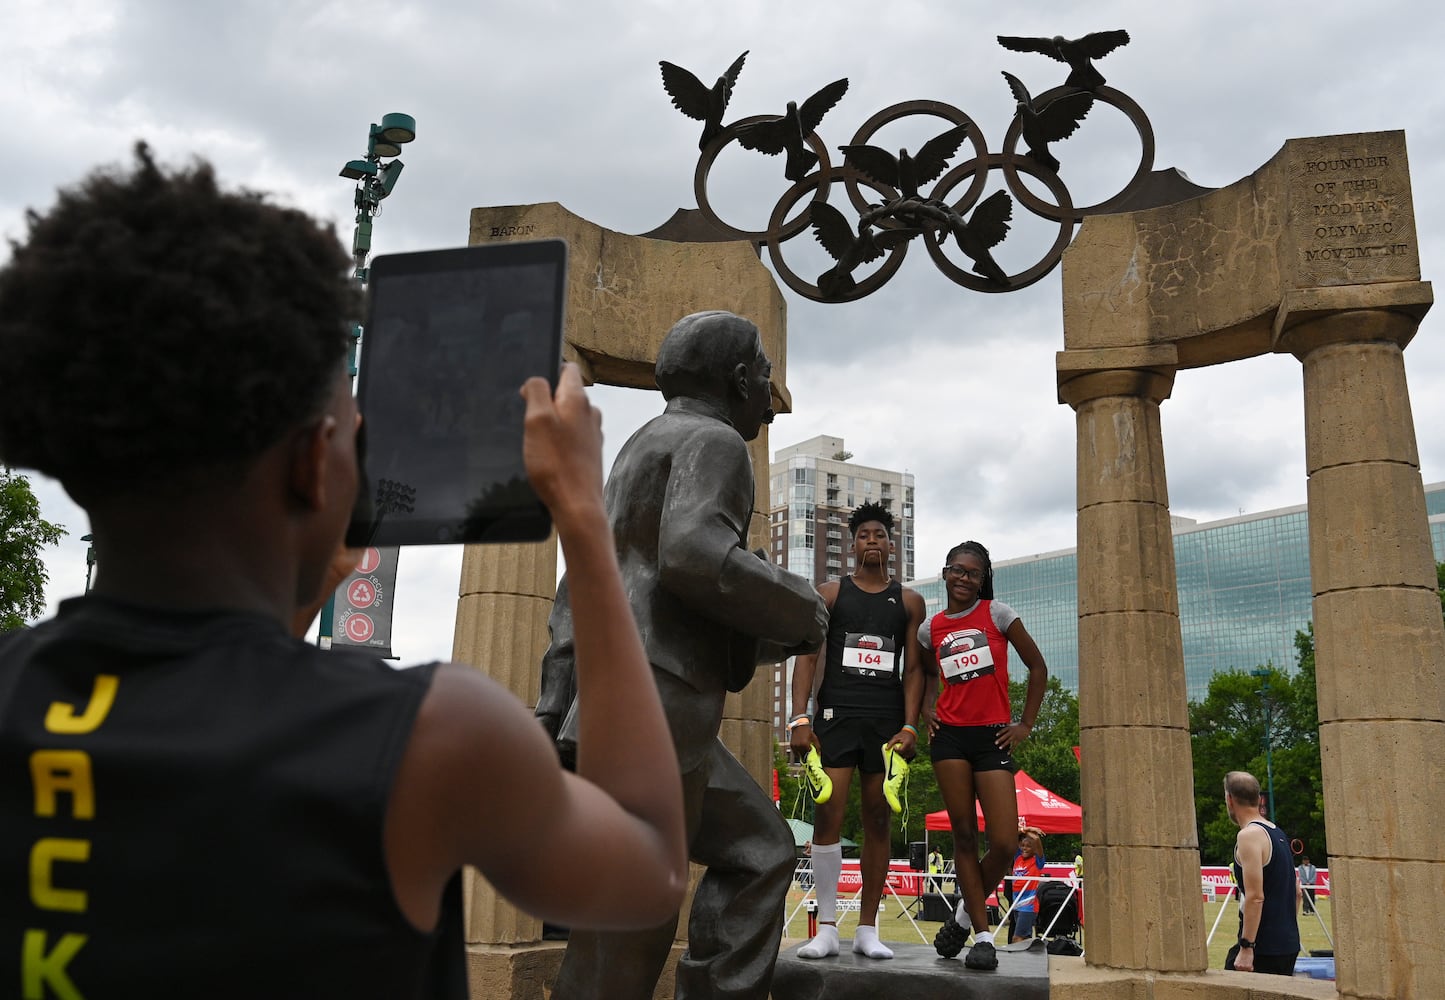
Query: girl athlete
973, 735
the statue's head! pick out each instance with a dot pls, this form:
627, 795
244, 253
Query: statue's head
718, 356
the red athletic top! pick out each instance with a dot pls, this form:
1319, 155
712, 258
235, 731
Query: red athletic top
1026, 889
972, 656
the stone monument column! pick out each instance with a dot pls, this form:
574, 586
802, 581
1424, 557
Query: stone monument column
1141, 852
624, 293
505, 596
1379, 639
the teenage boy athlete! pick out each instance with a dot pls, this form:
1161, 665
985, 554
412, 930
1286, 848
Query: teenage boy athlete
193, 800
868, 707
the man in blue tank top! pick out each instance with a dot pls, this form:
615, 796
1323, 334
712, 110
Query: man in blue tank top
1264, 871
870, 698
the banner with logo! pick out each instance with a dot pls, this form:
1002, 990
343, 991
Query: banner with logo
364, 603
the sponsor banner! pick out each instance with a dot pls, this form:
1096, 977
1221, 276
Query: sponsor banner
364, 602
901, 878
904, 881
1216, 880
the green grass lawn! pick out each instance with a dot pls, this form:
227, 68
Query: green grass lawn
893, 926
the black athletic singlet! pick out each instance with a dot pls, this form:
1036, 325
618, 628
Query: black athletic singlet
1278, 932
863, 669
193, 805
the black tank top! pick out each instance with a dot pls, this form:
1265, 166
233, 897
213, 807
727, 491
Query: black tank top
863, 670
193, 805
1278, 932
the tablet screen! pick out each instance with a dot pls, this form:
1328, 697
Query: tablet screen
450, 337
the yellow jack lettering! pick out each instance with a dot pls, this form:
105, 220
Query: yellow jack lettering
43, 856
61, 717
55, 771
39, 969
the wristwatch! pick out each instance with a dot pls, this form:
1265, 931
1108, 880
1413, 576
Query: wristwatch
1246, 943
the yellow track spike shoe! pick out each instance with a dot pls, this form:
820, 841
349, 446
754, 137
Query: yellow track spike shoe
819, 784
895, 778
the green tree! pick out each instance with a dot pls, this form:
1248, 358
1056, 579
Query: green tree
1227, 734
1048, 755
1440, 585
23, 533
793, 799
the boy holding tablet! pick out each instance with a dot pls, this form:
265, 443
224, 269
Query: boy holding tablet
192, 800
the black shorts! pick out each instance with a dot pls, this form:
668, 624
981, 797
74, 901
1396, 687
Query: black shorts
1269, 965
974, 744
855, 741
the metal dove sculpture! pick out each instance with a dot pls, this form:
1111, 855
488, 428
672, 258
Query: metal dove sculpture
789, 132
1055, 120
984, 231
846, 246
1078, 53
906, 173
695, 100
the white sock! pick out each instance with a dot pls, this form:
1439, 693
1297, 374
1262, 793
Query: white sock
865, 942
825, 945
827, 867
981, 936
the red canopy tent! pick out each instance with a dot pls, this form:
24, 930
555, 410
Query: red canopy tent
1037, 807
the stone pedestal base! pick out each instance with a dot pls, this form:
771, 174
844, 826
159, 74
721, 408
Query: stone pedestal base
1071, 979
528, 972
915, 971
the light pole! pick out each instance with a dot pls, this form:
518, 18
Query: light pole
374, 181
89, 558
1263, 674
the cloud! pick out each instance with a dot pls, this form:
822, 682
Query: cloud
548, 101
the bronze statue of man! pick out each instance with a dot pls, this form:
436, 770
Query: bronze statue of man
679, 499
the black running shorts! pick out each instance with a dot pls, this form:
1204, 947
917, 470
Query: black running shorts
974, 744
855, 741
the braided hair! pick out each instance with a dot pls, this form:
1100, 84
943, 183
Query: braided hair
975, 549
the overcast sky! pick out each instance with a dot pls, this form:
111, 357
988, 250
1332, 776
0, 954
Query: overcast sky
521, 102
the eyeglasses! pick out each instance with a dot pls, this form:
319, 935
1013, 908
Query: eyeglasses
975, 575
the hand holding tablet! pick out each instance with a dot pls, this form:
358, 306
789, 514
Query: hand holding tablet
450, 337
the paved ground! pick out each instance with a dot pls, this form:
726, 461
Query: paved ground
915, 972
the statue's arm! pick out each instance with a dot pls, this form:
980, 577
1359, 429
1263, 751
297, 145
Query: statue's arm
700, 559
559, 666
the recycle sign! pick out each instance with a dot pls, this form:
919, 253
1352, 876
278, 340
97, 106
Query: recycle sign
363, 599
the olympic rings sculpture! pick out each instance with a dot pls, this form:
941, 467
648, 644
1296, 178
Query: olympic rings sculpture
885, 192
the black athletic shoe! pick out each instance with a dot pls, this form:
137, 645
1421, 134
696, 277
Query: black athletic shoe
981, 956
949, 940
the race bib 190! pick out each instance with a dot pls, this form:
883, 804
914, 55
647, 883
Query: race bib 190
964, 655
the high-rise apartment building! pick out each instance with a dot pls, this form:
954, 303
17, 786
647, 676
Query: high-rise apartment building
813, 488
1244, 591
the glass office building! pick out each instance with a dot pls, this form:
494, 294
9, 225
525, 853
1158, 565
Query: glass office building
1244, 591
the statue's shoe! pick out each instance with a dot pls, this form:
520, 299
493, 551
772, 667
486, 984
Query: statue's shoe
982, 955
949, 940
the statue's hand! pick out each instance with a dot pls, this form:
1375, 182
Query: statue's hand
818, 631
